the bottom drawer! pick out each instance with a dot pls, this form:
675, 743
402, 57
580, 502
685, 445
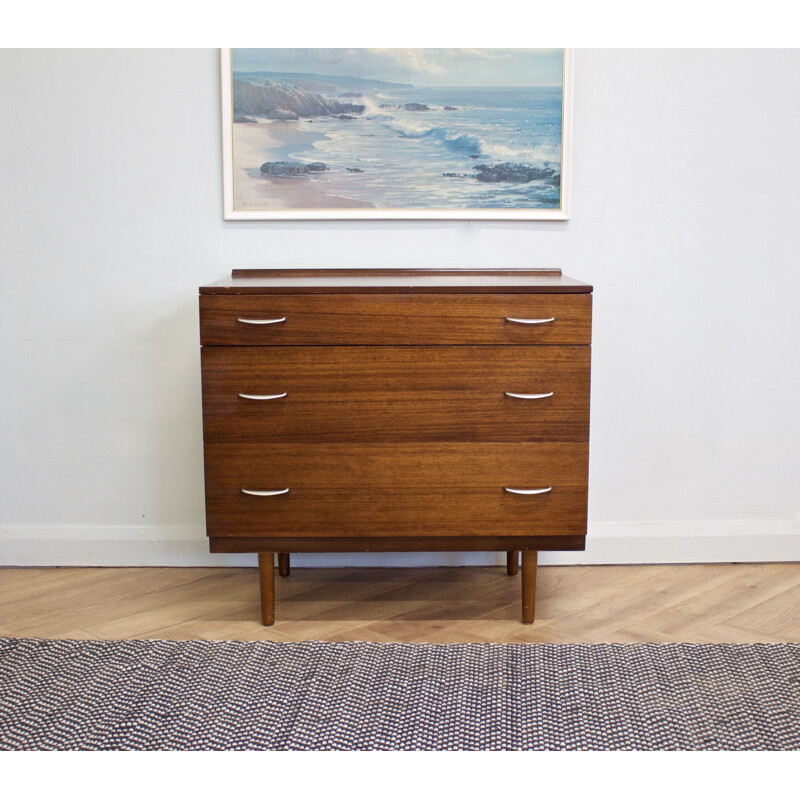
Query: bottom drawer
385, 490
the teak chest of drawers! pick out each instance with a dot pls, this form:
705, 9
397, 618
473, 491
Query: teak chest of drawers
396, 410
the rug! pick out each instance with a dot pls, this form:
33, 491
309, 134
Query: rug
200, 695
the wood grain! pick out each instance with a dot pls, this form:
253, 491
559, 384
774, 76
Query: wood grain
395, 490
654, 603
284, 565
512, 562
387, 281
393, 544
529, 566
266, 580
395, 394
388, 275
373, 319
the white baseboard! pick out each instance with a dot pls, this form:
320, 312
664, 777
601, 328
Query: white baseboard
607, 543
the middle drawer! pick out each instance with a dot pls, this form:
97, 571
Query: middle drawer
385, 394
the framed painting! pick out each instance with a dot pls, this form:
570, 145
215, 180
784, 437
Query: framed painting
396, 133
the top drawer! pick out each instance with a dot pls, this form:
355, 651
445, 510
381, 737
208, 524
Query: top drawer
414, 319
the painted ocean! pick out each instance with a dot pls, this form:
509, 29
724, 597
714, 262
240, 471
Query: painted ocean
382, 144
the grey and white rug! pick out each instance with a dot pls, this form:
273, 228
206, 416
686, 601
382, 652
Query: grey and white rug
198, 695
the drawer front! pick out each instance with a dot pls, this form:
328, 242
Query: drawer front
395, 319
395, 490
389, 394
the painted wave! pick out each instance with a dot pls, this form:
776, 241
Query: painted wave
472, 144
467, 143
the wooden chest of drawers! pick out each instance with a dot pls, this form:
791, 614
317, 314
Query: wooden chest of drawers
396, 410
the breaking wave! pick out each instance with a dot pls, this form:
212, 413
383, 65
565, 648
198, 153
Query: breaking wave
471, 144
467, 143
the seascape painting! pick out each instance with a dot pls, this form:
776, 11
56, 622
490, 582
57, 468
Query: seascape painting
403, 133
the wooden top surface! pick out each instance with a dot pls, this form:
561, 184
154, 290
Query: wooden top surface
396, 281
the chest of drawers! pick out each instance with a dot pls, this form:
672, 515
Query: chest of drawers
396, 410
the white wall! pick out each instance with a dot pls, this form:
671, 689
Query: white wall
686, 218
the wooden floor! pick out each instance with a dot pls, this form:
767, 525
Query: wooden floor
684, 603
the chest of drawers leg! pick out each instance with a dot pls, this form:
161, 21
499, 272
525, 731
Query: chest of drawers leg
348, 412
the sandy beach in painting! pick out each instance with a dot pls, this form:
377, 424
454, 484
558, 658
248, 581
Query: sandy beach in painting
273, 140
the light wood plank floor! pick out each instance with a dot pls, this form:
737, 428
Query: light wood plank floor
683, 603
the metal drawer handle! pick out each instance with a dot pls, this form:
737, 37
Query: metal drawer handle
530, 321
267, 493
260, 321
263, 396
527, 491
528, 396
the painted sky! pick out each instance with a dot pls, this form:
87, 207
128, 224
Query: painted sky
421, 67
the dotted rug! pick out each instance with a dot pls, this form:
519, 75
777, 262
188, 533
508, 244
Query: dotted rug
198, 695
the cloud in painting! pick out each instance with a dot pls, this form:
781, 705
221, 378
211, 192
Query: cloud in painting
420, 66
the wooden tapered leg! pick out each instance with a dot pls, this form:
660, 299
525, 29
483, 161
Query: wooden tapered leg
266, 575
283, 565
530, 559
512, 561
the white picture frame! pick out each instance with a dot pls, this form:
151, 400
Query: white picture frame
238, 206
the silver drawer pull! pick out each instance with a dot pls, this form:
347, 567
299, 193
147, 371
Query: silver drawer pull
260, 321
263, 396
265, 493
530, 321
527, 396
527, 491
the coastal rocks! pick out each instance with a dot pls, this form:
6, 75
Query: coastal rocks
417, 107
294, 169
282, 113
344, 116
289, 169
244, 119
514, 173
249, 98
271, 96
